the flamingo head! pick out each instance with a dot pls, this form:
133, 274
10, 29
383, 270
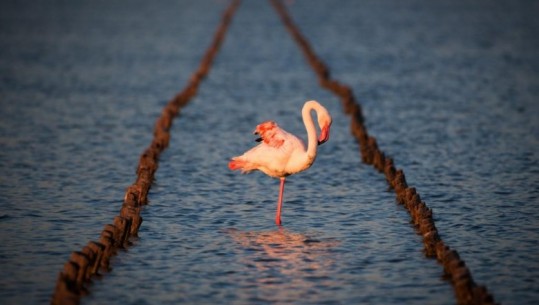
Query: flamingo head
324, 121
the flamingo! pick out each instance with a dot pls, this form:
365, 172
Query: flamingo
280, 153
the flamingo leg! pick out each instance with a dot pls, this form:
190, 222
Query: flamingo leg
280, 203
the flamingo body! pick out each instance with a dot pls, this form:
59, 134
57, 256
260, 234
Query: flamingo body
278, 155
281, 153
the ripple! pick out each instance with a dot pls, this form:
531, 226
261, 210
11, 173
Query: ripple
450, 114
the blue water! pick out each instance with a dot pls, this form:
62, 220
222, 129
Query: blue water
449, 89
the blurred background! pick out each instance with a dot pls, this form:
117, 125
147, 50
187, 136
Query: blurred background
448, 88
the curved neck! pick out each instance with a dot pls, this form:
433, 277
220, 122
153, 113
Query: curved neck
312, 142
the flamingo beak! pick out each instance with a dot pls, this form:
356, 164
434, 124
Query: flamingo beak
324, 134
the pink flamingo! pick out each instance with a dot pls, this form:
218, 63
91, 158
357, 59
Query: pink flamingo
280, 153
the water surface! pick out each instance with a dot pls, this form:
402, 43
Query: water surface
449, 89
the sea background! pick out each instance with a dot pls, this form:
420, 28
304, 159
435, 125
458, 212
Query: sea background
450, 90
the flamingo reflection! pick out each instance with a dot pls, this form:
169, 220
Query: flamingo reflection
287, 264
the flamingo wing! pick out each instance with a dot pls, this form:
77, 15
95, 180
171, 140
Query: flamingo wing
273, 153
270, 134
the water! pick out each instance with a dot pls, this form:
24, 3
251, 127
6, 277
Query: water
449, 89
